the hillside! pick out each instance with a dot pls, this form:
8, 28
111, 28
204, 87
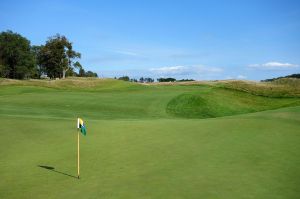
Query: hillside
292, 76
113, 99
280, 88
68, 83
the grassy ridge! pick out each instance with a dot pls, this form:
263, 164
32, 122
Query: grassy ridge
89, 84
281, 88
222, 102
113, 99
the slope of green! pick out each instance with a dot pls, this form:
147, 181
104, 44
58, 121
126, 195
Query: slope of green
141, 144
222, 102
87, 84
112, 99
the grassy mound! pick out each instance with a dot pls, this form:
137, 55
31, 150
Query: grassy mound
190, 106
223, 102
113, 99
90, 84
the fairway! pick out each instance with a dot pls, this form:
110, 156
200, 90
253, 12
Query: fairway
147, 141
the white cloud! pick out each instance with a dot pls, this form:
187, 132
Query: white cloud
241, 77
273, 65
185, 70
229, 77
278, 64
178, 72
168, 69
125, 52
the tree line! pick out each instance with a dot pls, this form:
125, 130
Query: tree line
55, 59
149, 80
141, 80
297, 76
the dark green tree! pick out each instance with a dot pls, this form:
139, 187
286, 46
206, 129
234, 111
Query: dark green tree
57, 56
81, 72
169, 79
90, 74
36, 52
71, 56
124, 78
16, 58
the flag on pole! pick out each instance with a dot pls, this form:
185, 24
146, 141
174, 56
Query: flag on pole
81, 126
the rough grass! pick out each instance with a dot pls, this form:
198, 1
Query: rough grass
286, 87
70, 83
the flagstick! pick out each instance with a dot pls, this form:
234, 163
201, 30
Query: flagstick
78, 155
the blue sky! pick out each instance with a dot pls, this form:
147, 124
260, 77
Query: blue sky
204, 40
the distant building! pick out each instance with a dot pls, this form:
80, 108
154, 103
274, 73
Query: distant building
44, 76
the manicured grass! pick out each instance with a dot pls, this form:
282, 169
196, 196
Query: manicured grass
223, 102
141, 144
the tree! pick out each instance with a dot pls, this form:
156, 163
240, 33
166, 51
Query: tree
71, 55
16, 57
81, 72
4, 70
124, 78
169, 79
185, 80
36, 53
278, 78
55, 59
57, 56
90, 74
133, 80
71, 73
148, 80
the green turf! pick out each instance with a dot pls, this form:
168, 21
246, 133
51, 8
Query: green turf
148, 142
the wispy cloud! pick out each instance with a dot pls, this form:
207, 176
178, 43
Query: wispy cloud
185, 70
273, 65
126, 52
241, 77
168, 69
228, 77
178, 72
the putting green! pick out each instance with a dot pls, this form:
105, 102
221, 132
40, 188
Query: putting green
142, 143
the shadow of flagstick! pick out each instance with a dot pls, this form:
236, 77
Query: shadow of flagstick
49, 168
